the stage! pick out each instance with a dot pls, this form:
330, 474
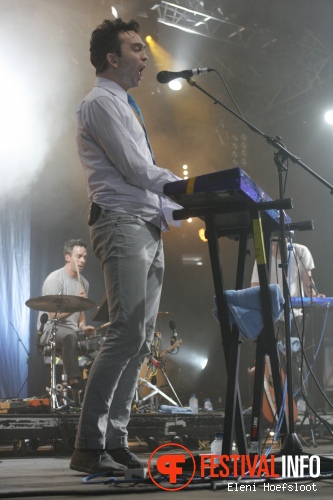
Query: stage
35, 451
41, 475
24, 432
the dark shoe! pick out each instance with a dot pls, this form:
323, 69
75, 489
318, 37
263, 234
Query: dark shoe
126, 457
77, 396
78, 392
93, 461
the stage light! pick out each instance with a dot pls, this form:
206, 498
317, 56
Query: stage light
204, 363
114, 11
21, 123
192, 260
329, 117
175, 85
202, 235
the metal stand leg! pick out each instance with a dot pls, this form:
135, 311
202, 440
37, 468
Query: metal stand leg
53, 390
155, 390
52, 344
170, 385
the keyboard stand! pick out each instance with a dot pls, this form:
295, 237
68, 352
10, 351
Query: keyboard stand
266, 344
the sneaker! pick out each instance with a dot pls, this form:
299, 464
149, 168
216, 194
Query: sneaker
93, 461
126, 457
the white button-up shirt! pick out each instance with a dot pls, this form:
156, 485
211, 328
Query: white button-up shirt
116, 160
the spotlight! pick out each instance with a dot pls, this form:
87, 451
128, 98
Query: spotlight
202, 235
175, 85
329, 117
204, 363
114, 11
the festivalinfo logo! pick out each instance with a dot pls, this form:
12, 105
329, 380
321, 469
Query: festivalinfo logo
180, 469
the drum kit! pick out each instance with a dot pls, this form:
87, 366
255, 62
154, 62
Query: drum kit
58, 304
153, 372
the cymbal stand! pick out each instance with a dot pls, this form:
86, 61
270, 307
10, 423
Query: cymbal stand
169, 383
52, 344
155, 390
151, 372
156, 362
53, 390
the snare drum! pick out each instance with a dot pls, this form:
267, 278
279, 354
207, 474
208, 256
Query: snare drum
91, 345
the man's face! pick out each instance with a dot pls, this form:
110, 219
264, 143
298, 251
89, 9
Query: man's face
77, 259
132, 61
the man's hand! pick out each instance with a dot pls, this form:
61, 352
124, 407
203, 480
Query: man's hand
83, 293
88, 330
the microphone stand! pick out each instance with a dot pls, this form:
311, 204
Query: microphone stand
291, 444
28, 358
275, 142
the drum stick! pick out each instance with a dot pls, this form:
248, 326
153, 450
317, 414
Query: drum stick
79, 277
102, 326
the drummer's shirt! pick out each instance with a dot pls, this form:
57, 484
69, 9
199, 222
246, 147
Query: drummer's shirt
59, 282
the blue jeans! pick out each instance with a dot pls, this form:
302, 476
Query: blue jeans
131, 252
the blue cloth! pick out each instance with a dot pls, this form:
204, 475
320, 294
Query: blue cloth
245, 309
174, 409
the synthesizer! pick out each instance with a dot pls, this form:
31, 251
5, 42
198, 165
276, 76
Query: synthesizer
312, 302
226, 189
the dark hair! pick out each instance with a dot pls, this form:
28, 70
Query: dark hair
105, 39
70, 244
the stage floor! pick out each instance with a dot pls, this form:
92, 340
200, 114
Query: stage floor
43, 477
35, 453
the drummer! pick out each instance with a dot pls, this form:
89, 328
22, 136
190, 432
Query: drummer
69, 281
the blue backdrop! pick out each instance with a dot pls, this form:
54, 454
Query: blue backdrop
14, 291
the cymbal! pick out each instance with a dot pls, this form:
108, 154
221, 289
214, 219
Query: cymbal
60, 303
164, 314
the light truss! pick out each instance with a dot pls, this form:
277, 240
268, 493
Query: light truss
193, 21
284, 91
256, 59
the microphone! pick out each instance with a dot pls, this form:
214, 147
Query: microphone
167, 76
43, 319
173, 339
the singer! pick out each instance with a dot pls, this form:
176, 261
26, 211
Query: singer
126, 188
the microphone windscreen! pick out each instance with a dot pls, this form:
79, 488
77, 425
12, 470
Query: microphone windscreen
43, 319
163, 77
172, 325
